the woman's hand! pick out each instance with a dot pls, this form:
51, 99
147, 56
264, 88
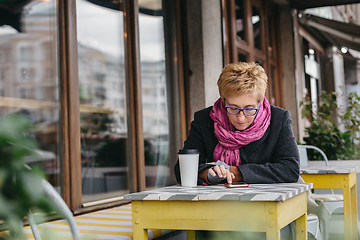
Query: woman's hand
222, 172
232, 175
238, 176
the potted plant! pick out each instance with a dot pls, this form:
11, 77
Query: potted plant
324, 131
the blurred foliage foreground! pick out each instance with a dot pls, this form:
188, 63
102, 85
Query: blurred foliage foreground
20, 189
325, 132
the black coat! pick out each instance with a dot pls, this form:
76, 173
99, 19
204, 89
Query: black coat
272, 159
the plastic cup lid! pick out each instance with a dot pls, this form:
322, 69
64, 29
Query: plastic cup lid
188, 151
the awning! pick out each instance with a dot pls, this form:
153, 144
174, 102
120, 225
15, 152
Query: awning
10, 12
304, 4
335, 33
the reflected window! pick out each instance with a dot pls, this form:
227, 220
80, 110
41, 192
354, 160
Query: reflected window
104, 135
26, 53
256, 22
239, 21
21, 63
242, 57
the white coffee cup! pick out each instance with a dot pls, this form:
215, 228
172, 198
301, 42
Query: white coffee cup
189, 163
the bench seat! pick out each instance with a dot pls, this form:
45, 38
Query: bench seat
113, 223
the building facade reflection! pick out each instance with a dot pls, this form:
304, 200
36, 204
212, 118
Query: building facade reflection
29, 80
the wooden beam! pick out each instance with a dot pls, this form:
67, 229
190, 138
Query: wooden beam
249, 30
70, 117
312, 40
180, 71
133, 77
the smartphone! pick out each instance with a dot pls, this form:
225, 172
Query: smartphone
237, 185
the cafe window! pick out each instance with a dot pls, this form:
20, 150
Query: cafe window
21, 83
128, 134
250, 35
102, 81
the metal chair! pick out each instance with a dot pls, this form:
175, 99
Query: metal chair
61, 208
313, 227
330, 205
303, 154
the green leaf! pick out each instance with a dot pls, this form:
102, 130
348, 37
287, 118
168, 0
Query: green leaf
324, 132
20, 188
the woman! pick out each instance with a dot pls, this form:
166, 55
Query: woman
242, 137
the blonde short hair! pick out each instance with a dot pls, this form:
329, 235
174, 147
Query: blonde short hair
242, 78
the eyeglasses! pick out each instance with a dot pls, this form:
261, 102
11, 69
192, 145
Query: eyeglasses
246, 111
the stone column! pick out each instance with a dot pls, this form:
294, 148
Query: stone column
205, 52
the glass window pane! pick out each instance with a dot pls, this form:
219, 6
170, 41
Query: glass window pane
239, 21
102, 94
154, 93
29, 83
257, 21
242, 57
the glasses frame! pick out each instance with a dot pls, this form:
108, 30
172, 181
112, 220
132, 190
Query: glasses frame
241, 110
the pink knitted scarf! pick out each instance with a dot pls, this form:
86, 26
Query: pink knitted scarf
230, 140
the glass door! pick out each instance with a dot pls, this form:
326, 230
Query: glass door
159, 87
102, 93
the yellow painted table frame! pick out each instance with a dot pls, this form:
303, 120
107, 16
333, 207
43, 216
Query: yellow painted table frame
346, 182
217, 215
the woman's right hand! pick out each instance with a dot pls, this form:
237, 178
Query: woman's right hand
222, 172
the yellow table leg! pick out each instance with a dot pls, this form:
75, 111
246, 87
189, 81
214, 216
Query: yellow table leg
273, 234
347, 212
350, 211
191, 235
140, 233
301, 228
138, 230
272, 223
354, 213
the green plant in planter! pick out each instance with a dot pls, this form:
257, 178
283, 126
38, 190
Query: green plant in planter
351, 117
324, 130
20, 189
